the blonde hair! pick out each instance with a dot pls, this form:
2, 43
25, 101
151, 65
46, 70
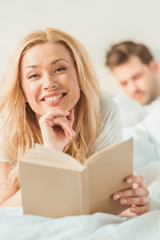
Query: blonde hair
19, 130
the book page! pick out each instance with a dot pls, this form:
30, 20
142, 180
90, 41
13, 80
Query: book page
49, 191
94, 156
50, 157
107, 172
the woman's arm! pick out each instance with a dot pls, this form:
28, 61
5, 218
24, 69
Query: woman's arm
6, 190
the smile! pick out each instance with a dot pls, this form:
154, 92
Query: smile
54, 98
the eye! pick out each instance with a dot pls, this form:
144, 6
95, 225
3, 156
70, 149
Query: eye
60, 69
123, 84
136, 77
33, 76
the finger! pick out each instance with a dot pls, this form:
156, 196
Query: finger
54, 113
60, 129
64, 125
139, 209
134, 201
71, 118
71, 115
137, 192
127, 213
135, 179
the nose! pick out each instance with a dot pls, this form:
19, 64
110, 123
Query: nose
49, 82
132, 87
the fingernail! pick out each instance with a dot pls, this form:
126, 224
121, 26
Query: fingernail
74, 133
132, 209
116, 196
129, 180
123, 201
67, 112
135, 185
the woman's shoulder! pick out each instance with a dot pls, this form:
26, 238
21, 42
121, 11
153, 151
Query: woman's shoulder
110, 129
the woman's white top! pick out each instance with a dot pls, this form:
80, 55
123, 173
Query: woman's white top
110, 130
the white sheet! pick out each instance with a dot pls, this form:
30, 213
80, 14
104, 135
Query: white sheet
98, 226
143, 124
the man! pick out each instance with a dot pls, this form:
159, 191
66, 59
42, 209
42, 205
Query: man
138, 74
136, 70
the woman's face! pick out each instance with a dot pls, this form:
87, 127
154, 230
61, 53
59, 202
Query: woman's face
49, 78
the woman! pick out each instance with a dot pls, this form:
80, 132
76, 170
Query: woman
50, 95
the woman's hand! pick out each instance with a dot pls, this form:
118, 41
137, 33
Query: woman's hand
56, 128
136, 197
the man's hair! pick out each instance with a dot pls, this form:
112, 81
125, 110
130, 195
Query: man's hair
121, 52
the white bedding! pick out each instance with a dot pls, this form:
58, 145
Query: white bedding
98, 226
145, 128
143, 124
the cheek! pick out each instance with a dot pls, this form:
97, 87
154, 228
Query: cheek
145, 83
73, 82
74, 95
76, 89
30, 90
124, 87
77, 95
25, 90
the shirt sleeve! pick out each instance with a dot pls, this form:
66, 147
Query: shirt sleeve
110, 129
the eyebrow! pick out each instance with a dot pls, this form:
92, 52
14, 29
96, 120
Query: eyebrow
52, 63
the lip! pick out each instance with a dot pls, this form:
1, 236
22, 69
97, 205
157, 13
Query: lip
138, 96
52, 95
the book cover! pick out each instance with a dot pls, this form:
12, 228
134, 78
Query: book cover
54, 184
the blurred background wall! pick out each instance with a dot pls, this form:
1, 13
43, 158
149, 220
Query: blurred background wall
96, 23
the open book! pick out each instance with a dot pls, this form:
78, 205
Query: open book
54, 184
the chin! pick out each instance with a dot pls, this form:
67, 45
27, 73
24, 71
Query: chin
144, 102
